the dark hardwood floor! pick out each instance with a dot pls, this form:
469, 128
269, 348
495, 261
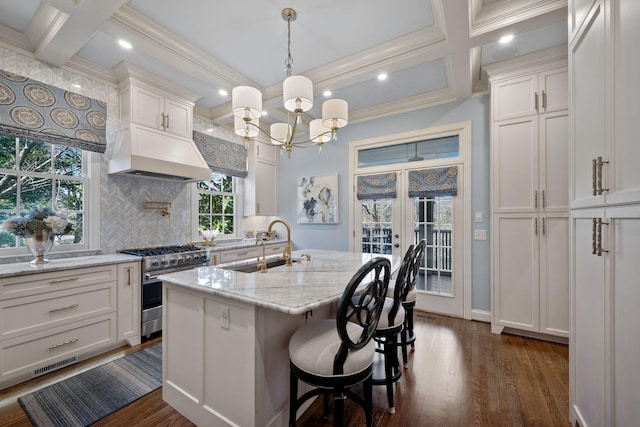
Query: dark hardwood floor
459, 375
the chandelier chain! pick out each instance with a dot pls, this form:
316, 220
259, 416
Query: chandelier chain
289, 61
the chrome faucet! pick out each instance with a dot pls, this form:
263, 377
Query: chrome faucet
287, 250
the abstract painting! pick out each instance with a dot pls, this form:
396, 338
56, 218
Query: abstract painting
318, 199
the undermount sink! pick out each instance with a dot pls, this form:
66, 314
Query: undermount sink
253, 267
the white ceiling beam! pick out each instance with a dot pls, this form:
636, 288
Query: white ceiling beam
71, 30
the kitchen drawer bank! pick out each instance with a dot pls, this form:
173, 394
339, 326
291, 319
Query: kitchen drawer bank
65, 312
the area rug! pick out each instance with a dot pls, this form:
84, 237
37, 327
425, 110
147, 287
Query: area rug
94, 394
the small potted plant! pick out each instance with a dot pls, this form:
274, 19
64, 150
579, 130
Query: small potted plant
39, 228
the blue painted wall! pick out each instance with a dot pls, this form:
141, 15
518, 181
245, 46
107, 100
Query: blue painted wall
335, 158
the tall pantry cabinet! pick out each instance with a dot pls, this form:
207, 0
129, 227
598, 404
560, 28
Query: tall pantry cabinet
605, 212
529, 200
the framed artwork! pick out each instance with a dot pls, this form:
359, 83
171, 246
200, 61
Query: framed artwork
317, 199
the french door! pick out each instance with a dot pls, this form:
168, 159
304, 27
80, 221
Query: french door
390, 226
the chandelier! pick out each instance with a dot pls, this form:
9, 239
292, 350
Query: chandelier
297, 94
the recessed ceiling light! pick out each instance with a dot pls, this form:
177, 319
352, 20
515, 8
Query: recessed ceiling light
382, 76
125, 44
327, 93
506, 38
76, 85
223, 92
264, 112
209, 129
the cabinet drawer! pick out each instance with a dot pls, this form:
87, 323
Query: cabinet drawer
30, 284
238, 254
31, 354
19, 316
274, 249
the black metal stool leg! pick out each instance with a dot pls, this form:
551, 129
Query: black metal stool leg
368, 400
338, 409
293, 399
390, 364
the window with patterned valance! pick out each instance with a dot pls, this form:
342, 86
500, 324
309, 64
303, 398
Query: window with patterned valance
223, 157
379, 186
433, 182
39, 112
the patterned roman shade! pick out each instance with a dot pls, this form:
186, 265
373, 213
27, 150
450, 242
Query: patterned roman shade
222, 156
434, 182
380, 186
39, 112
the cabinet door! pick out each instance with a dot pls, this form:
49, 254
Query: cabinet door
587, 341
129, 302
515, 165
625, 149
515, 271
587, 58
178, 120
624, 247
554, 274
147, 108
514, 97
554, 94
554, 156
266, 188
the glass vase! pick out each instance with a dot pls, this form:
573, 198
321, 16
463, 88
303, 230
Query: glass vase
39, 244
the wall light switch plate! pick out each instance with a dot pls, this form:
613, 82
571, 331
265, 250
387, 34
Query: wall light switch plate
480, 234
479, 216
224, 318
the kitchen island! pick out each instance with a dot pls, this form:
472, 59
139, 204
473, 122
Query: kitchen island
226, 334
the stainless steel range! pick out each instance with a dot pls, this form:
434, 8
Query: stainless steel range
162, 260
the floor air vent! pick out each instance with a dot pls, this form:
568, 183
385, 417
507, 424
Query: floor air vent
53, 367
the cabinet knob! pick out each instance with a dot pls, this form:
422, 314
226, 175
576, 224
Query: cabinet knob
397, 245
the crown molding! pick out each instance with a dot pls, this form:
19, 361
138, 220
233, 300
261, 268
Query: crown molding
127, 73
501, 14
533, 61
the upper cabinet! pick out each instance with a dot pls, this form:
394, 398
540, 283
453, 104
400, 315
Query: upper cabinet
530, 94
157, 111
261, 185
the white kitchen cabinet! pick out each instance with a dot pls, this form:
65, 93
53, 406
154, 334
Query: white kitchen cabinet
129, 288
530, 201
604, 369
530, 273
261, 184
161, 112
529, 94
53, 319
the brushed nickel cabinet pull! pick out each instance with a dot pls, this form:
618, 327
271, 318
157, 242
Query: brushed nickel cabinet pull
129, 276
600, 223
536, 100
71, 341
66, 279
535, 199
544, 202
66, 307
536, 226
594, 180
594, 233
544, 100
167, 120
163, 122
600, 163
257, 208
543, 227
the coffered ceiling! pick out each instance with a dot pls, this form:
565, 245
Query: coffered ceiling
432, 51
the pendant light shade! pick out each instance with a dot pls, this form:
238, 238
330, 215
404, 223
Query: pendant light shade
335, 113
246, 101
244, 129
318, 132
297, 93
280, 133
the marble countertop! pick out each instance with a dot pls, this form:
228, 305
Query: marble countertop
22, 268
294, 290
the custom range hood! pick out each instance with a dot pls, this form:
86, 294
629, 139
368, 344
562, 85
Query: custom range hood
144, 153
154, 138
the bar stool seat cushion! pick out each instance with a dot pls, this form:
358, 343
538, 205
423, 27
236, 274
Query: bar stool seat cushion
411, 295
384, 317
312, 349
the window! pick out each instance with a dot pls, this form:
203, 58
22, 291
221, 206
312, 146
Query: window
34, 174
217, 204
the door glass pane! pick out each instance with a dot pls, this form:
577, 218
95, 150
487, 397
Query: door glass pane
429, 149
433, 221
377, 227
